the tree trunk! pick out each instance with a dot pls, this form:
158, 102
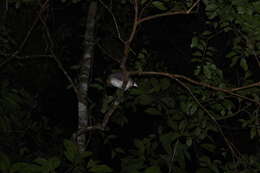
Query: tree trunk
85, 68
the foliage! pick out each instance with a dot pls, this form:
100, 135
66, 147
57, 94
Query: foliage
179, 126
75, 163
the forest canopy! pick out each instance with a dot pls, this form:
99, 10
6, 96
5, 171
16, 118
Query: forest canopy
129, 86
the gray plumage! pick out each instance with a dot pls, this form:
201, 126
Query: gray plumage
116, 80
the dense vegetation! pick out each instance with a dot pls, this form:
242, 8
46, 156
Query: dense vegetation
196, 107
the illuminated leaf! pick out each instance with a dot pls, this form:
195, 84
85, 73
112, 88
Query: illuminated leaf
152, 169
101, 169
243, 64
159, 5
152, 111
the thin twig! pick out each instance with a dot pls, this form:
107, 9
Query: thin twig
58, 61
256, 58
143, 9
108, 54
257, 84
229, 144
177, 76
135, 23
172, 156
113, 17
169, 13
28, 34
193, 6
127, 44
105, 120
108, 115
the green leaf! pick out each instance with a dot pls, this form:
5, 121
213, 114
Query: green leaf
205, 160
4, 163
159, 5
26, 168
197, 70
189, 141
194, 42
92, 163
243, 64
85, 154
132, 165
155, 85
152, 169
53, 163
197, 53
191, 108
207, 71
208, 147
137, 91
234, 61
203, 170
253, 132
167, 139
101, 169
119, 150
211, 7
143, 1
106, 103
75, 1
145, 99
206, 33
152, 111
97, 86
165, 83
182, 125
40, 161
75, 67
18, 167
231, 54
70, 150
139, 144
48, 165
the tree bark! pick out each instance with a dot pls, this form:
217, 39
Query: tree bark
84, 76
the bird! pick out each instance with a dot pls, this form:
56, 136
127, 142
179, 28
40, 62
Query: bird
116, 80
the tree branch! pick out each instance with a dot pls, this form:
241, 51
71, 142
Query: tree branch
169, 13
28, 34
113, 17
177, 76
85, 68
229, 144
